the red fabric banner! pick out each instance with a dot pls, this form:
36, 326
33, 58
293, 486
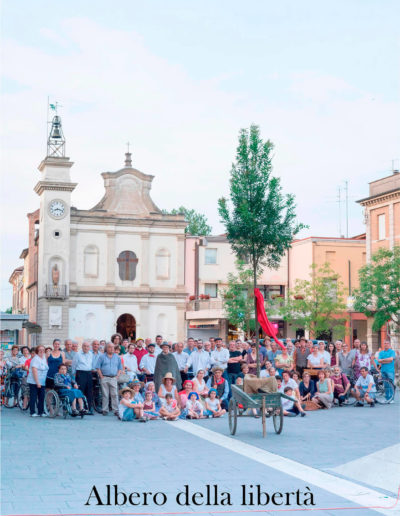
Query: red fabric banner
263, 319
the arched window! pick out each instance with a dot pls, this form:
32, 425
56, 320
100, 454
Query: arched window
127, 263
163, 264
91, 261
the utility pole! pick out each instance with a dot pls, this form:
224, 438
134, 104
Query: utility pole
340, 210
347, 208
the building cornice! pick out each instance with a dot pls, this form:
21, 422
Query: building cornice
379, 198
41, 186
89, 217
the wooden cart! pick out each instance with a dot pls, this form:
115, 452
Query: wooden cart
269, 404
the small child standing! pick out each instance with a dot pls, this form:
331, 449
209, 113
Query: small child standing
149, 407
194, 407
213, 405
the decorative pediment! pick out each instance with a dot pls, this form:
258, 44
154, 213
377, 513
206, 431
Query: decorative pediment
127, 193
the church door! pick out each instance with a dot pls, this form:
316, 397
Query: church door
126, 326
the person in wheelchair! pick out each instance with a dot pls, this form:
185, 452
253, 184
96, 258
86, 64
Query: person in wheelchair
64, 386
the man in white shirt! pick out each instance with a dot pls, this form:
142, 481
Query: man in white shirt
220, 356
199, 359
82, 365
148, 362
182, 359
287, 381
324, 354
159, 341
130, 363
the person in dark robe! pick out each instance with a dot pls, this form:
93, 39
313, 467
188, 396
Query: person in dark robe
166, 363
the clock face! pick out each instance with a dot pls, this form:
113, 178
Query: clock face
57, 209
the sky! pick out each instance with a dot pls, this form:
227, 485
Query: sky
179, 79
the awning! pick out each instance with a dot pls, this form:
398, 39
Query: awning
32, 327
203, 323
11, 325
12, 322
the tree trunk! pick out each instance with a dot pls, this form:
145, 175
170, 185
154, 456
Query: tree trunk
256, 320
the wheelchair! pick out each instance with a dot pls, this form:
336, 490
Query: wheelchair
57, 404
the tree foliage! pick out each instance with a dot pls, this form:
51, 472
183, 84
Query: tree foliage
261, 223
317, 304
379, 293
197, 222
238, 298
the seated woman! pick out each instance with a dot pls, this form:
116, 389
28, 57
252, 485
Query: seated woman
199, 385
315, 360
213, 405
296, 377
184, 393
291, 408
170, 410
168, 387
324, 394
63, 382
306, 388
150, 386
149, 407
128, 408
194, 407
283, 362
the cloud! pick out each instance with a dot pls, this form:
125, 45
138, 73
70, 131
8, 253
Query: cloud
183, 127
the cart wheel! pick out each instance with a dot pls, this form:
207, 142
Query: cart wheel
278, 420
232, 416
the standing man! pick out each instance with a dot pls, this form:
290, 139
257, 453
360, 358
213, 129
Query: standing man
95, 353
199, 359
220, 356
82, 372
166, 363
271, 354
181, 359
346, 360
300, 357
386, 360
148, 363
189, 346
324, 354
159, 341
357, 344
235, 357
109, 368
130, 362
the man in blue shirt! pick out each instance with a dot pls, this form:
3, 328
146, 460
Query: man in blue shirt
386, 360
109, 367
271, 354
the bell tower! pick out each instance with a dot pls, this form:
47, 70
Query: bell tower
54, 189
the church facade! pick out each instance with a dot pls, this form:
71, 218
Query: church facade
119, 266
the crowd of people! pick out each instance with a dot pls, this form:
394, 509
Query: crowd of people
145, 380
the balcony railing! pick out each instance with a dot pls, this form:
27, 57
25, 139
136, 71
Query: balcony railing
56, 291
204, 304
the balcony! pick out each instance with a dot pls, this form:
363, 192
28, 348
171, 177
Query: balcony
56, 291
204, 304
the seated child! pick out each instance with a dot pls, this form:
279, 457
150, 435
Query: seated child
289, 407
194, 407
128, 408
213, 405
63, 380
170, 410
149, 407
151, 387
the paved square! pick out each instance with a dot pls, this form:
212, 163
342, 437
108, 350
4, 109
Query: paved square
49, 466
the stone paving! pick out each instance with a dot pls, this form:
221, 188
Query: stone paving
50, 465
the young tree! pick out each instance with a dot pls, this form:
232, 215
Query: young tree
317, 304
261, 222
238, 298
197, 222
379, 293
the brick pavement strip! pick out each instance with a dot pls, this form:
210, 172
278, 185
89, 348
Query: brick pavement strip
61, 460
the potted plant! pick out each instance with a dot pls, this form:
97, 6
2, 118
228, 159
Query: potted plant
192, 298
298, 297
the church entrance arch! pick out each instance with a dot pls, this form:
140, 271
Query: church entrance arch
126, 326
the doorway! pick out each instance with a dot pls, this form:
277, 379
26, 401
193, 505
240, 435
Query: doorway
126, 326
